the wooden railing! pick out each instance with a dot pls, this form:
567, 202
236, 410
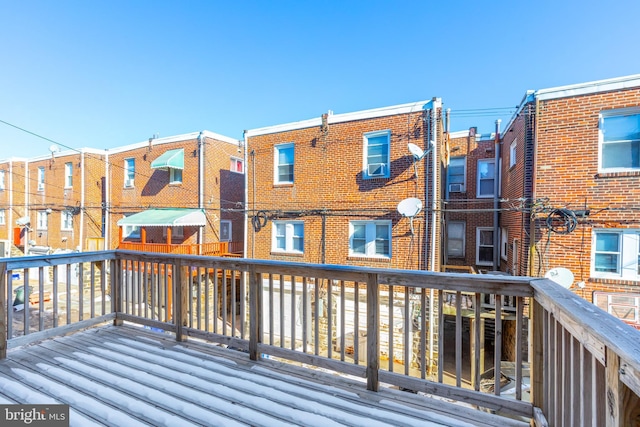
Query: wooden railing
206, 249
581, 366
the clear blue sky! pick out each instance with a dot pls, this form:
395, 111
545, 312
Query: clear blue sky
103, 74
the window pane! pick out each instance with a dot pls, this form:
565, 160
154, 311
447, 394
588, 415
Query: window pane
486, 170
454, 247
486, 238
486, 187
607, 263
607, 242
621, 155
456, 230
621, 128
359, 231
285, 173
382, 247
285, 155
359, 245
485, 254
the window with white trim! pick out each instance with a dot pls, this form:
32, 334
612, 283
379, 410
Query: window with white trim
376, 154
456, 239
3, 216
67, 220
515, 255
625, 306
42, 220
370, 239
620, 140
41, 178
484, 246
456, 174
284, 160
288, 236
616, 254
237, 165
129, 172
225, 230
175, 176
2, 185
486, 177
68, 175
504, 243
512, 153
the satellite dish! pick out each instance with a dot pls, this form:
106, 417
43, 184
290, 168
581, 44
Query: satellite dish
562, 276
54, 148
23, 220
417, 152
410, 208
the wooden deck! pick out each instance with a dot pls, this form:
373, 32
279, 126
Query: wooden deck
129, 376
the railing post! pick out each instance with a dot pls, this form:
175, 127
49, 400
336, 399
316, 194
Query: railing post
537, 359
373, 332
4, 303
180, 307
116, 290
621, 402
255, 312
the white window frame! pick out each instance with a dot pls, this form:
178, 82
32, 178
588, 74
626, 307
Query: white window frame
2, 183
66, 221
176, 233
175, 176
370, 239
463, 159
289, 236
276, 163
40, 178
601, 132
628, 253
504, 244
228, 224
385, 165
493, 163
129, 172
42, 220
3, 216
238, 163
478, 245
68, 175
513, 151
463, 239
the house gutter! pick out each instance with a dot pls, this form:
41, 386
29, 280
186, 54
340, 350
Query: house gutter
496, 198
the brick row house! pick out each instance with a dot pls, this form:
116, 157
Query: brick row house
12, 204
327, 190
571, 191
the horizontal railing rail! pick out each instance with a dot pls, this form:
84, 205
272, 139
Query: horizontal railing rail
551, 357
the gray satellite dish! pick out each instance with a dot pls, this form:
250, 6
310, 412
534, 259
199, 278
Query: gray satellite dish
410, 207
54, 148
417, 152
562, 276
23, 221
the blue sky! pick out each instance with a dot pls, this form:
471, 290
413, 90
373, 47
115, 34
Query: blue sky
102, 74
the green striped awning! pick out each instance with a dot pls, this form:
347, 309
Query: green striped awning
173, 159
165, 218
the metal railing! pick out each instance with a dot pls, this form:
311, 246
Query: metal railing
559, 360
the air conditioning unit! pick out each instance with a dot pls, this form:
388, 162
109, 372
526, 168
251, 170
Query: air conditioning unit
456, 188
376, 169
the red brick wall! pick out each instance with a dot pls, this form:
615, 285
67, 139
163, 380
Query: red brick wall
13, 196
328, 181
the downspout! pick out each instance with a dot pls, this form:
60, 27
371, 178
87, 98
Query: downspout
201, 183
26, 204
82, 186
532, 219
435, 182
107, 196
246, 198
11, 207
496, 199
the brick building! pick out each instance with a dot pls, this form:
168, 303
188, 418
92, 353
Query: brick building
469, 200
571, 179
198, 175
12, 203
326, 190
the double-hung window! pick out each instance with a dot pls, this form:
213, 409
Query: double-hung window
129, 172
2, 180
486, 177
455, 239
370, 239
513, 153
620, 140
288, 236
68, 175
616, 254
284, 158
41, 178
67, 220
376, 154
43, 220
484, 246
456, 174
175, 176
237, 165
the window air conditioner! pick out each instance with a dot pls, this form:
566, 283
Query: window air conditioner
376, 169
456, 188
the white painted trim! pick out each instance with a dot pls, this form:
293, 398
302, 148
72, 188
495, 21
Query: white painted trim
459, 134
341, 118
175, 138
370, 238
587, 88
276, 163
365, 149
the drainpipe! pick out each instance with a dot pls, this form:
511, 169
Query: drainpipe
434, 180
107, 196
532, 220
200, 180
245, 240
26, 204
11, 207
82, 187
496, 198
